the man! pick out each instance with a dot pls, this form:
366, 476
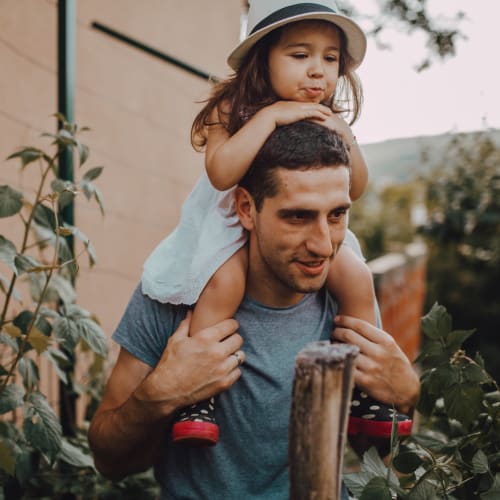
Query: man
293, 202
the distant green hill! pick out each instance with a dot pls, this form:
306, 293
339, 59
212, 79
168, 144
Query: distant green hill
398, 160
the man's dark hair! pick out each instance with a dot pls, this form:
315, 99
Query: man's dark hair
299, 146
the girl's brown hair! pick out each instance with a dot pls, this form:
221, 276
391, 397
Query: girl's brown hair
249, 89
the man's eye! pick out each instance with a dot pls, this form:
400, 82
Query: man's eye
337, 214
297, 217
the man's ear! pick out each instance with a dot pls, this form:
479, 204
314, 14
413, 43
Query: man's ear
245, 208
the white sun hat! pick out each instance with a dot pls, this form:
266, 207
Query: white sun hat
265, 16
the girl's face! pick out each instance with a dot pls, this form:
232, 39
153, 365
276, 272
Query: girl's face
304, 63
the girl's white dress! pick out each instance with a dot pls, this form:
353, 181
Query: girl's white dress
208, 233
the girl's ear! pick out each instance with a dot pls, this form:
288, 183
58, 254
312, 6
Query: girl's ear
245, 208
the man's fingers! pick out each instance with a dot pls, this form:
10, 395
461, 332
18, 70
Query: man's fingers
367, 330
183, 328
220, 331
231, 344
349, 336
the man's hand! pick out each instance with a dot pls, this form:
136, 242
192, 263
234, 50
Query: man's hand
192, 369
382, 369
129, 427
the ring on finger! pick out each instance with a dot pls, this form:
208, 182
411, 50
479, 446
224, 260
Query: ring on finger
238, 357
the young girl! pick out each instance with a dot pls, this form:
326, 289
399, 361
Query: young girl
296, 63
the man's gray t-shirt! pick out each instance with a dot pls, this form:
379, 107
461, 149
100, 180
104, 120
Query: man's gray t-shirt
250, 459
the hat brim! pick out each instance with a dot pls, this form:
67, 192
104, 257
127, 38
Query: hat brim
356, 39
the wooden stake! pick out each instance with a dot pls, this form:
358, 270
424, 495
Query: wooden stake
318, 420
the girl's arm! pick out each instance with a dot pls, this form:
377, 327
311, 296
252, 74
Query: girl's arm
359, 175
229, 157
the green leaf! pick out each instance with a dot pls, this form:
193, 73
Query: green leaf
85, 240
9, 341
28, 370
74, 311
7, 459
5, 285
26, 263
456, 338
47, 312
100, 200
430, 442
92, 174
45, 217
376, 489
24, 320
433, 354
39, 341
8, 253
11, 398
66, 329
474, 373
66, 191
407, 462
494, 492
27, 464
463, 402
436, 323
83, 152
480, 463
11, 201
73, 455
89, 190
373, 464
65, 138
93, 335
41, 426
441, 378
27, 155
356, 482
425, 489
61, 288
57, 359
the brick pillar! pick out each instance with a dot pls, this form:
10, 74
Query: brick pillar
400, 287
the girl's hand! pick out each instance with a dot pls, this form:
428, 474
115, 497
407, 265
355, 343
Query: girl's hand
286, 112
337, 123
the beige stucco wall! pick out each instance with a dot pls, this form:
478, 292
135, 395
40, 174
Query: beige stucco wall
140, 111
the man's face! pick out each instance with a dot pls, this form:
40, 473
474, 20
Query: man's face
297, 233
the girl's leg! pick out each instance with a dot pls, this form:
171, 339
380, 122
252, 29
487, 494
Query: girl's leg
218, 301
223, 293
350, 281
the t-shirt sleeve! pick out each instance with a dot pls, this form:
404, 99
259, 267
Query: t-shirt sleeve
146, 326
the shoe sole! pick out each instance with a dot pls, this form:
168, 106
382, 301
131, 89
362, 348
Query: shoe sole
373, 428
195, 433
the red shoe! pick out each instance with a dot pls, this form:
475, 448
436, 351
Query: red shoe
196, 426
374, 419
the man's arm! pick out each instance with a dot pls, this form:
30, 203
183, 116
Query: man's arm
129, 428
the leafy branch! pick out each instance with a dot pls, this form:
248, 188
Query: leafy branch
46, 321
456, 454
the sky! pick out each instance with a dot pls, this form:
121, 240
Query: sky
459, 93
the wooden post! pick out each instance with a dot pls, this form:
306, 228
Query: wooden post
318, 421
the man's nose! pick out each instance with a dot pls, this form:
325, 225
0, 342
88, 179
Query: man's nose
319, 241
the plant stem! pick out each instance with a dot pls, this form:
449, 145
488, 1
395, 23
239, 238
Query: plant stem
27, 228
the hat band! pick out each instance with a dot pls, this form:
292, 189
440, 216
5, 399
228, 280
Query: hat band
288, 12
